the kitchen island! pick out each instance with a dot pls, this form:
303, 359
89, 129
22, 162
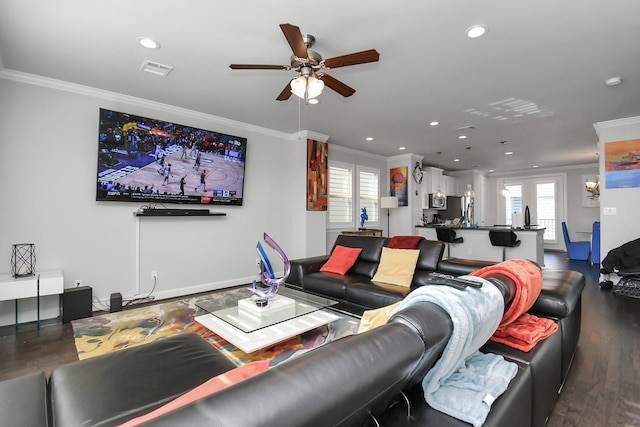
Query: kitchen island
477, 246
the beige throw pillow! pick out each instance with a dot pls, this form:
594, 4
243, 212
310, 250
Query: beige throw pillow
371, 319
397, 266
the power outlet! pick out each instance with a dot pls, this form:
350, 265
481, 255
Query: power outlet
154, 275
77, 282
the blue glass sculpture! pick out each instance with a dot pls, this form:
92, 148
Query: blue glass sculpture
268, 277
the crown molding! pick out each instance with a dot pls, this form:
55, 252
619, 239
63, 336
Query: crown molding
616, 123
64, 86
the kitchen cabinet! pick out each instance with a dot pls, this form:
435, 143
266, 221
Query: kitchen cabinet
450, 186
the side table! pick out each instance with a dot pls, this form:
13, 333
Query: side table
49, 283
368, 232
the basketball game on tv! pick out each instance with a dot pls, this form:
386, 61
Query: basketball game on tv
147, 160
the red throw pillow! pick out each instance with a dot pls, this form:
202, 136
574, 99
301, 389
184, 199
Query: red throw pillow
341, 260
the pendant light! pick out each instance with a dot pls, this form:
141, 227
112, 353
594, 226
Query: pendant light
505, 191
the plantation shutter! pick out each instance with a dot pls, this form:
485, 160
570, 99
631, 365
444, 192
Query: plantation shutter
369, 194
340, 196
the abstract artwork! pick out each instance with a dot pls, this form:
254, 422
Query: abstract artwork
591, 191
398, 184
622, 164
317, 175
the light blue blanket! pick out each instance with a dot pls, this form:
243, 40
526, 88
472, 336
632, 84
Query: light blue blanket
464, 382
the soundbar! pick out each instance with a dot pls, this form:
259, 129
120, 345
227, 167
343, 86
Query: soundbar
174, 212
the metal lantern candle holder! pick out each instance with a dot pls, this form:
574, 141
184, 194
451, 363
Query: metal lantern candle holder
23, 260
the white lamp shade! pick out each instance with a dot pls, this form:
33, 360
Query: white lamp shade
389, 202
314, 87
299, 86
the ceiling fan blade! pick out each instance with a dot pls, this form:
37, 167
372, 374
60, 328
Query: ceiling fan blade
285, 94
337, 85
363, 57
258, 67
294, 37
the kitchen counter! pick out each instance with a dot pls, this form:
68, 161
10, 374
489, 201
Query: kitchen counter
476, 244
494, 227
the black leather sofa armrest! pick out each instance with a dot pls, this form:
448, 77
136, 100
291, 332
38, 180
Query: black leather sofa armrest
303, 266
561, 291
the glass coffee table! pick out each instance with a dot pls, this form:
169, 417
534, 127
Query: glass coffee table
250, 327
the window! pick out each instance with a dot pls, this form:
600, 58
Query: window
369, 193
546, 208
543, 198
340, 195
349, 192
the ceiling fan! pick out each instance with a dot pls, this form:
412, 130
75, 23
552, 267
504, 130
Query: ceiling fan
311, 66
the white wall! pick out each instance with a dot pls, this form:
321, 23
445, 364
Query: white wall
48, 135
623, 226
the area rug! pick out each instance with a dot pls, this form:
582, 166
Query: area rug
111, 332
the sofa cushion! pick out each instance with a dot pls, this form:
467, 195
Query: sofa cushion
341, 260
330, 285
430, 256
397, 266
374, 294
116, 387
215, 384
369, 257
24, 401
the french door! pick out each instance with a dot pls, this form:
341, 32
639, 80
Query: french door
544, 197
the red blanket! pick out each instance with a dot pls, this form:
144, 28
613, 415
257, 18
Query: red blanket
404, 242
517, 328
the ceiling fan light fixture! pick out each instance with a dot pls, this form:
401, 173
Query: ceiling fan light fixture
307, 87
299, 86
314, 87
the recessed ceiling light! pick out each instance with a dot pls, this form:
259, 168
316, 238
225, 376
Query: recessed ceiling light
613, 81
456, 160
476, 31
508, 153
462, 137
369, 138
534, 166
492, 170
314, 101
402, 148
434, 123
148, 43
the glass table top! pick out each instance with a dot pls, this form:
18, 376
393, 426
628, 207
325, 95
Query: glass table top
243, 313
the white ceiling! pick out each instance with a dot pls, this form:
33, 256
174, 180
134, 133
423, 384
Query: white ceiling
536, 79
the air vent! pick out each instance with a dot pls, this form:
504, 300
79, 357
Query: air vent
466, 128
156, 68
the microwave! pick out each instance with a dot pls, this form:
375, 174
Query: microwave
436, 202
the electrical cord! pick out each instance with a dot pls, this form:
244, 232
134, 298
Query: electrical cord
146, 298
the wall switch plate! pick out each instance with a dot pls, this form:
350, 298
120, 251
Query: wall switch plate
609, 211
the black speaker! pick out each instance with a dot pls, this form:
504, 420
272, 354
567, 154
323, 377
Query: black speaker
77, 303
116, 302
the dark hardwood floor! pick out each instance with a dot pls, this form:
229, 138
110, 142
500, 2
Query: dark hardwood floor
602, 389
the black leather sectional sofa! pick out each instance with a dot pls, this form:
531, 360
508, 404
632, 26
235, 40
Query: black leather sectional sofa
352, 381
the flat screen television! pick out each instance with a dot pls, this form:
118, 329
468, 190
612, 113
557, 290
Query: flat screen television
153, 161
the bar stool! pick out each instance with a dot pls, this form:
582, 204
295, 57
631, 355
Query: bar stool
504, 238
448, 236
